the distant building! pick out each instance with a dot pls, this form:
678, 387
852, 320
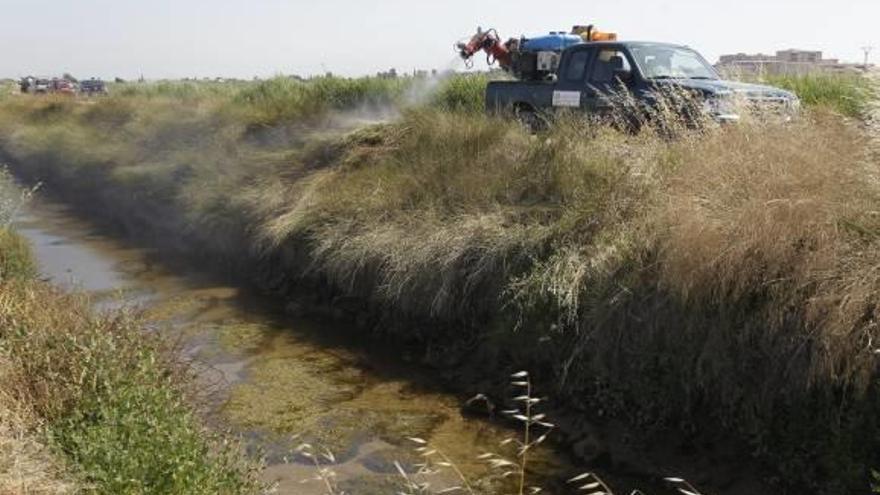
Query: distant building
801, 57
784, 62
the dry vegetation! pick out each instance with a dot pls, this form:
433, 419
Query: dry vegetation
723, 280
27, 466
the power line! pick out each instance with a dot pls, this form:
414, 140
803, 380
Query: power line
867, 50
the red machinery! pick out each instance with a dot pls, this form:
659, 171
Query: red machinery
528, 58
490, 42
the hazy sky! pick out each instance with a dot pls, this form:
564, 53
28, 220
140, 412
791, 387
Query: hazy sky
180, 38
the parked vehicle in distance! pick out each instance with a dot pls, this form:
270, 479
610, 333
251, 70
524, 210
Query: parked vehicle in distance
63, 87
26, 84
591, 74
42, 86
93, 87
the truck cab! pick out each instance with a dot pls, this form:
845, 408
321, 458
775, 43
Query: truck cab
590, 73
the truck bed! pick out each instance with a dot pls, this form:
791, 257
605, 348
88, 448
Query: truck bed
506, 95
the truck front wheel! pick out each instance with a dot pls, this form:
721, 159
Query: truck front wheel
529, 118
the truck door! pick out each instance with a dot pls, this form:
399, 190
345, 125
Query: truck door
571, 90
610, 76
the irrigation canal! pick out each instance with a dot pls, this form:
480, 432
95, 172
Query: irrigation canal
273, 379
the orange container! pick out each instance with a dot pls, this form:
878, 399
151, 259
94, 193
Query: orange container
600, 36
590, 33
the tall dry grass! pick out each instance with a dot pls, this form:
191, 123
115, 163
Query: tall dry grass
721, 280
794, 222
725, 277
27, 464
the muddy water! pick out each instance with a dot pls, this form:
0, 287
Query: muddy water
277, 381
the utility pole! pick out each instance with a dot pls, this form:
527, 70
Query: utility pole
867, 50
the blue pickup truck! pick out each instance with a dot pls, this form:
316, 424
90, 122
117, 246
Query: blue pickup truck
588, 75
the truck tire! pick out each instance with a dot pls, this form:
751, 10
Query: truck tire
529, 118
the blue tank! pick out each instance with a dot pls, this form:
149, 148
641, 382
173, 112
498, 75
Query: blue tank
552, 42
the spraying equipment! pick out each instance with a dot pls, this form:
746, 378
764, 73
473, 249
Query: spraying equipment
528, 58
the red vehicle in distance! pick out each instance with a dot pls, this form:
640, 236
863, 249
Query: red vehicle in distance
63, 87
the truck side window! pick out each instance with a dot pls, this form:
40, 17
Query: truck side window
577, 66
608, 61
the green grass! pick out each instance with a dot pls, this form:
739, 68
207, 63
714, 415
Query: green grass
462, 94
848, 94
16, 261
131, 430
723, 280
282, 99
7, 88
187, 90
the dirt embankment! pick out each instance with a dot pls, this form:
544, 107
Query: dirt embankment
717, 286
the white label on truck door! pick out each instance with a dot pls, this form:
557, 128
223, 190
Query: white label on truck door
566, 98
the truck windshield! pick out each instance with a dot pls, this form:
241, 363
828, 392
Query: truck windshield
670, 62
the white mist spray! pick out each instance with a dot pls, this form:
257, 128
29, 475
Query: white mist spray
420, 91
423, 89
